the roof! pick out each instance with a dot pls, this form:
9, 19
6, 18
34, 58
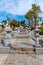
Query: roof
39, 23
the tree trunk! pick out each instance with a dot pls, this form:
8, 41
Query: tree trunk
35, 21
29, 22
32, 21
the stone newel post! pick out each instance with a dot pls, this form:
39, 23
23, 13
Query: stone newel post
37, 36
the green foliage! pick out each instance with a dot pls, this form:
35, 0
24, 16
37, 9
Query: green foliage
41, 30
23, 22
8, 19
36, 10
13, 28
4, 21
29, 15
33, 13
18, 24
13, 23
42, 23
3, 26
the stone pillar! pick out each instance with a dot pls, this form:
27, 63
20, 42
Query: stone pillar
37, 41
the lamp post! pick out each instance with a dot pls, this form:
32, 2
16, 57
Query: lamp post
8, 35
37, 36
8, 30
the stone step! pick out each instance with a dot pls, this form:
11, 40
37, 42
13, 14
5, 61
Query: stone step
22, 50
21, 33
22, 36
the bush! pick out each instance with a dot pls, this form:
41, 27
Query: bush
41, 32
12, 27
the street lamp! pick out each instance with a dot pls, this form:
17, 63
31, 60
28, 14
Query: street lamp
37, 36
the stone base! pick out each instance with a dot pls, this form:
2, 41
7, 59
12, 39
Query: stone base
39, 50
5, 50
38, 46
22, 50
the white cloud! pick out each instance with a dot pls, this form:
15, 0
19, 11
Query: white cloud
18, 6
40, 3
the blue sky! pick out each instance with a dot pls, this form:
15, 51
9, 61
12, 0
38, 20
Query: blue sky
18, 7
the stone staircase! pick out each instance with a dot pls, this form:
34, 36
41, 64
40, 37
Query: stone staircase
22, 35
22, 50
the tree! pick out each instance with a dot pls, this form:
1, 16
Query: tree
5, 22
13, 22
36, 10
23, 23
29, 16
18, 24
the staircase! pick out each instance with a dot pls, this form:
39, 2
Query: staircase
22, 50
22, 35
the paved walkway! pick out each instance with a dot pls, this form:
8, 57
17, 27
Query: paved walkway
3, 58
23, 59
24, 43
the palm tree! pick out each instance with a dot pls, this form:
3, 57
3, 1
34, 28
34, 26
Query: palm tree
36, 10
14, 23
23, 23
18, 24
5, 22
29, 16
8, 20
